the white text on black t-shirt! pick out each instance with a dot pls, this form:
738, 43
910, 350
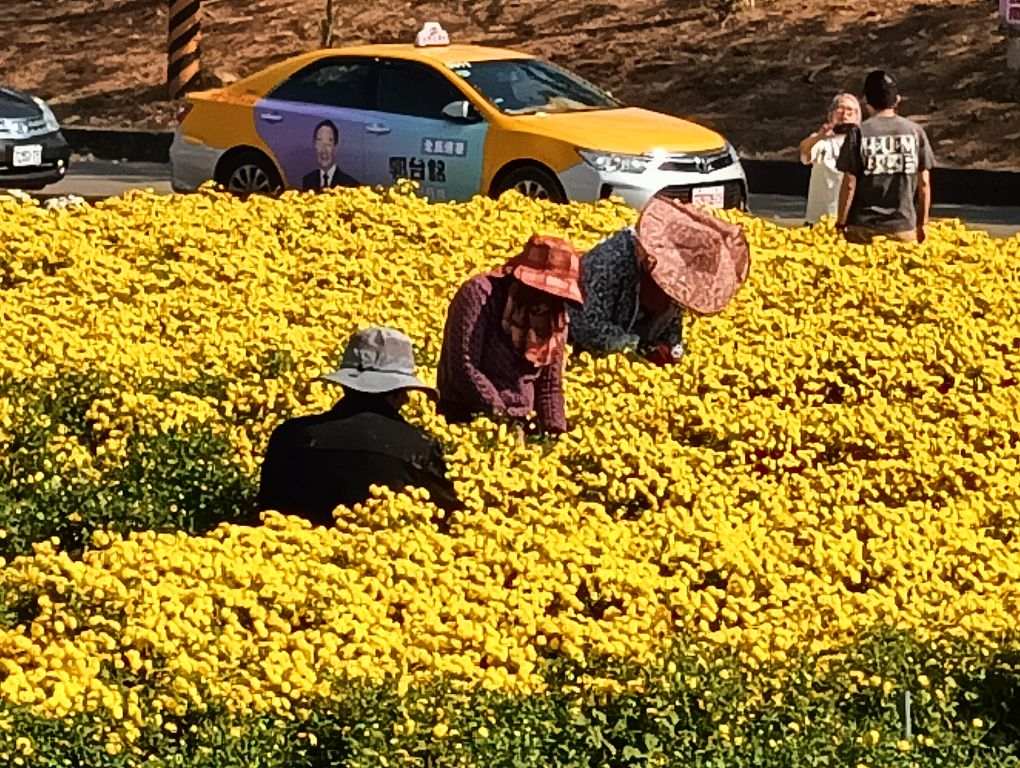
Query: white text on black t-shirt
889, 154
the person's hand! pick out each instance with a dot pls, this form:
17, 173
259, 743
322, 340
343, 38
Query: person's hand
662, 354
538, 428
513, 424
922, 232
808, 145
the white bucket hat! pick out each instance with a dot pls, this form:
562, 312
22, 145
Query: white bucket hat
378, 360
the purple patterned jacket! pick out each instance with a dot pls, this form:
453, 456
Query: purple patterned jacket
480, 372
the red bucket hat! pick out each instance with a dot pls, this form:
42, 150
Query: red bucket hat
551, 265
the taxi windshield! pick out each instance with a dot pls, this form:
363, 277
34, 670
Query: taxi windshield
527, 86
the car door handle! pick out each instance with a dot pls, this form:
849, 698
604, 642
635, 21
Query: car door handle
378, 129
271, 117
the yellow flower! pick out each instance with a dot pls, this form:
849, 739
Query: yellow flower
825, 460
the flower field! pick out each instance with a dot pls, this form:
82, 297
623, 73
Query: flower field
745, 560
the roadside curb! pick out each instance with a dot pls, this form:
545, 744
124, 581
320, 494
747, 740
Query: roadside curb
130, 145
766, 177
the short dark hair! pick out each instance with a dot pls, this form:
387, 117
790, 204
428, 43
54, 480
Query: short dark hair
880, 89
327, 124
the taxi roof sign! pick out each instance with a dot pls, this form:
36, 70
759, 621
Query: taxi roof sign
1010, 10
431, 33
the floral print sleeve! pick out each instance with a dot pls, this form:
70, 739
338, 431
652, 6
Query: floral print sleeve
609, 281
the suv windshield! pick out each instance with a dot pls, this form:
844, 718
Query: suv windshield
526, 86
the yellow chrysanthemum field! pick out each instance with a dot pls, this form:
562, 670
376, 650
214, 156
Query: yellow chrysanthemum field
837, 454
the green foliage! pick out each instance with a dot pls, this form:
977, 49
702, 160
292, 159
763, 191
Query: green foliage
184, 479
700, 706
697, 708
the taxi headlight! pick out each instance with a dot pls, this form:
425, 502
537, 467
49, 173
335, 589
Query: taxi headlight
612, 162
48, 117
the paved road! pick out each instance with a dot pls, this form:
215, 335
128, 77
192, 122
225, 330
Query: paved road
106, 178
100, 178
1000, 221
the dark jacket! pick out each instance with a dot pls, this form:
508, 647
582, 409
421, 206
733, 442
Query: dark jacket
313, 180
315, 463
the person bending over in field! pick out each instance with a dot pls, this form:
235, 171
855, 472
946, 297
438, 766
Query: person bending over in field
638, 283
315, 463
625, 307
505, 338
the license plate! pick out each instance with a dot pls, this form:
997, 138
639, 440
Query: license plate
28, 154
712, 197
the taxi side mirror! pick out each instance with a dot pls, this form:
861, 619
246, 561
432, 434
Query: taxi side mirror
461, 112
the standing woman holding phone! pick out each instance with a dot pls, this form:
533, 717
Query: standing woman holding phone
820, 150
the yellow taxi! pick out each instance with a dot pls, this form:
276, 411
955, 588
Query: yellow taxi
460, 120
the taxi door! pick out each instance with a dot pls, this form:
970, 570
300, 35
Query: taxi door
407, 136
314, 122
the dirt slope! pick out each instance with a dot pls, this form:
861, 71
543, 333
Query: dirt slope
762, 75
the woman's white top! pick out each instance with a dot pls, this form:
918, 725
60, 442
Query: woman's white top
823, 191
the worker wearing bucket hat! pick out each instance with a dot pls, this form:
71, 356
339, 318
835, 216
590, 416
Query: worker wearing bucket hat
505, 336
315, 463
638, 282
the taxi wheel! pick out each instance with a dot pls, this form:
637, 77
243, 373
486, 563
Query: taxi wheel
249, 173
534, 182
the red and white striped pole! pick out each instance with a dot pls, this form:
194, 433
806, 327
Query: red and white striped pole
183, 37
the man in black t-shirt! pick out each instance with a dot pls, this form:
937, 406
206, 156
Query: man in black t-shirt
886, 165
